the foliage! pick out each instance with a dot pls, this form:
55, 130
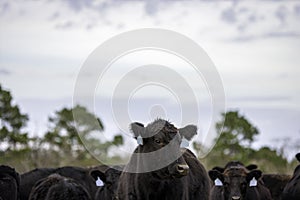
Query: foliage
63, 129
235, 143
277, 163
12, 121
67, 136
60, 145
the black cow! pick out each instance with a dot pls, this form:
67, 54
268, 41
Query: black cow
292, 188
276, 183
57, 187
183, 177
110, 178
238, 183
29, 179
81, 175
9, 183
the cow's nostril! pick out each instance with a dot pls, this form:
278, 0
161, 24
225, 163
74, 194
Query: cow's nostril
182, 168
236, 198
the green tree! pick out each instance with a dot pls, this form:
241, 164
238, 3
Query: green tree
63, 137
12, 122
63, 133
234, 143
236, 128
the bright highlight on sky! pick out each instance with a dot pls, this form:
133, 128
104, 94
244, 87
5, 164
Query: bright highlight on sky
255, 46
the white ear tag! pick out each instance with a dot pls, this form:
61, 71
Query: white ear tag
99, 182
184, 143
139, 140
253, 182
218, 182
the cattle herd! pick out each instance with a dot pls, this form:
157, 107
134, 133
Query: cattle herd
183, 178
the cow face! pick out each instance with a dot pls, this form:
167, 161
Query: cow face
110, 178
161, 134
9, 183
236, 182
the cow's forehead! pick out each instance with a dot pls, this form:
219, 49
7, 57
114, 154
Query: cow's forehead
161, 125
235, 172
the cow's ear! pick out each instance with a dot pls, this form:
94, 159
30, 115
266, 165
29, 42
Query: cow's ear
97, 173
188, 131
220, 169
214, 174
298, 156
251, 167
254, 174
137, 129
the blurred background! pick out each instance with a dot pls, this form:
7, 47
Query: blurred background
255, 46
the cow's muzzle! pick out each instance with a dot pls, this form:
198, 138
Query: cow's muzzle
182, 170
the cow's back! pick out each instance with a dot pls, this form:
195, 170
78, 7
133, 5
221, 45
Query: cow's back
29, 179
276, 184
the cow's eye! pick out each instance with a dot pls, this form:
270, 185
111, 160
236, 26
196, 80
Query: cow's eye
157, 141
244, 185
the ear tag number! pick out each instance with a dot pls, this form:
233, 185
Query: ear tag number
218, 182
184, 143
139, 140
99, 182
253, 182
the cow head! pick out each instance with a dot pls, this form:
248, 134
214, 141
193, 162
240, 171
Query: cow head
236, 181
57, 187
110, 179
158, 135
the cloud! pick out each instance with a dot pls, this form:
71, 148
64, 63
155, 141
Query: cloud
229, 15
65, 25
151, 7
54, 16
79, 5
261, 98
5, 72
283, 34
249, 22
281, 13
297, 10
4, 7
274, 34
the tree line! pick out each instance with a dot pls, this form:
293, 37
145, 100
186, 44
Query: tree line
60, 145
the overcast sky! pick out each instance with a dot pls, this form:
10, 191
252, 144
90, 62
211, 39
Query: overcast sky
254, 45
